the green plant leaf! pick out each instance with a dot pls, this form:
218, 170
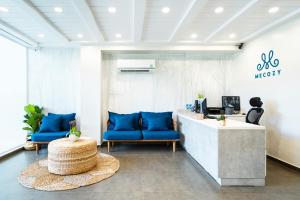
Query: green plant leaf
27, 129
29, 108
74, 131
33, 117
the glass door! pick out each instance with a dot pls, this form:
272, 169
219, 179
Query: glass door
13, 94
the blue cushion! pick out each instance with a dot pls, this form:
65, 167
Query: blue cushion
146, 115
160, 135
158, 124
122, 135
113, 116
50, 124
48, 136
124, 123
66, 119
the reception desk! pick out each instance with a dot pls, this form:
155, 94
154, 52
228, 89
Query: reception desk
233, 154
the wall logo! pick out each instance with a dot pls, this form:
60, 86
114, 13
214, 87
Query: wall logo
269, 66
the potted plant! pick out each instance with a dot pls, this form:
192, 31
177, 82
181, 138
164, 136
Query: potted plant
200, 97
33, 118
74, 134
222, 120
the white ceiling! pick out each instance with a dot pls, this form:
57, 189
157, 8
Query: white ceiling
141, 21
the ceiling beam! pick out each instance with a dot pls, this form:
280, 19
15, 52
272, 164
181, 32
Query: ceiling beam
271, 25
138, 17
88, 18
230, 20
170, 48
193, 9
26, 7
16, 36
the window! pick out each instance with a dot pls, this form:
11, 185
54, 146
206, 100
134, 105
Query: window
13, 90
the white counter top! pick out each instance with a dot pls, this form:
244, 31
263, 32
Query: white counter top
213, 123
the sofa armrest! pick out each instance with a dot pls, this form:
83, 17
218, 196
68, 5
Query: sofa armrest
175, 125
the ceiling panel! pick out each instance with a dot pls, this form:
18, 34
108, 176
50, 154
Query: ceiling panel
256, 18
111, 24
159, 26
68, 22
207, 21
22, 22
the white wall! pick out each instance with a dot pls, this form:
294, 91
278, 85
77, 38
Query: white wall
53, 79
280, 94
13, 90
176, 82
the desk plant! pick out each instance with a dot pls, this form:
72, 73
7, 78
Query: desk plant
200, 96
74, 134
222, 120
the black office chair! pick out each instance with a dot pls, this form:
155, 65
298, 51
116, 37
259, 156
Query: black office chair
255, 113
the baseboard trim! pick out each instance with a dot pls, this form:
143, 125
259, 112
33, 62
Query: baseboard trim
283, 162
11, 152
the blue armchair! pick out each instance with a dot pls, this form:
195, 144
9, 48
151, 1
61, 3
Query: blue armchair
53, 126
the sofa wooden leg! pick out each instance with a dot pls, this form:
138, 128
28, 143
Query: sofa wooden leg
108, 146
174, 146
37, 148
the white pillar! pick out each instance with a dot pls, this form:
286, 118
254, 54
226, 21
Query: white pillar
90, 92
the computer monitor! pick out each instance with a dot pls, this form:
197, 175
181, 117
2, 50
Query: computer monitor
201, 107
204, 107
232, 100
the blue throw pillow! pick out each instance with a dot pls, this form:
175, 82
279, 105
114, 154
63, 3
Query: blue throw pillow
113, 116
158, 124
65, 120
50, 124
147, 115
124, 123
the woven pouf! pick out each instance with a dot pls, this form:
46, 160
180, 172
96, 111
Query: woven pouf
66, 157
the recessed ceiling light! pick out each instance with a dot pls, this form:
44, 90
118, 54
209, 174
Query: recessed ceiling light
3, 9
118, 35
219, 10
79, 35
194, 36
273, 9
112, 9
41, 35
165, 10
232, 35
58, 9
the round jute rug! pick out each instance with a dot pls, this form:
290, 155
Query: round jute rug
38, 177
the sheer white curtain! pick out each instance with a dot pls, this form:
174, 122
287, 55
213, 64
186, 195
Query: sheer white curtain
13, 94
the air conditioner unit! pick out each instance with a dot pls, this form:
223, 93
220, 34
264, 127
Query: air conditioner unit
136, 65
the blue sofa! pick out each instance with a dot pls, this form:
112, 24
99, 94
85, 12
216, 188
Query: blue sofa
53, 126
141, 127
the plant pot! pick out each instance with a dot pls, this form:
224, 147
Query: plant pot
29, 146
73, 138
222, 122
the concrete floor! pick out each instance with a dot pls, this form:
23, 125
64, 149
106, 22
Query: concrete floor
151, 172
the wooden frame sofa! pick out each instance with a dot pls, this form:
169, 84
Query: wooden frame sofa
110, 143
41, 138
142, 132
